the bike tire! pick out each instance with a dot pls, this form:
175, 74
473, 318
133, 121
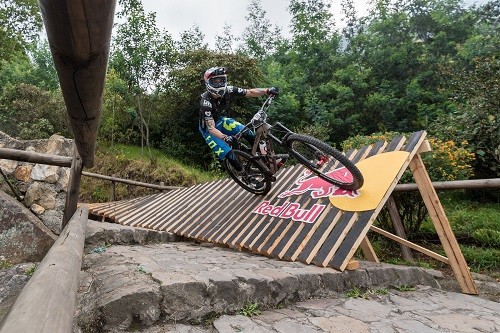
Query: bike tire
253, 178
306, 148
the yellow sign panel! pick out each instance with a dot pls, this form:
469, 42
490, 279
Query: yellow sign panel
379, 172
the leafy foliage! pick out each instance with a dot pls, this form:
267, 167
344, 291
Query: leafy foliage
19, 117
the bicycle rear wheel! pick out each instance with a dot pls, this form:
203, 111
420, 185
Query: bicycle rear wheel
315, 154
253, 176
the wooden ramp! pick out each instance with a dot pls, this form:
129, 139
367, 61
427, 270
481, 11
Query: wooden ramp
292, 228
296, 222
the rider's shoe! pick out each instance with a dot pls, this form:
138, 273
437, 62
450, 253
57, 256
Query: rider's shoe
281, 159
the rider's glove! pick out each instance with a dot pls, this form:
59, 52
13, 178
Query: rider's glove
272, 91
229, 139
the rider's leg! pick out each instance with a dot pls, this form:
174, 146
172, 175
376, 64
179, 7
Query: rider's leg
230, 126
221, 149
234, 161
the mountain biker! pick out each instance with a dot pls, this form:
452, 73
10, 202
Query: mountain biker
217, 129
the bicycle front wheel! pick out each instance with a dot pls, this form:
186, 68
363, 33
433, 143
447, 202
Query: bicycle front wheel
315, 154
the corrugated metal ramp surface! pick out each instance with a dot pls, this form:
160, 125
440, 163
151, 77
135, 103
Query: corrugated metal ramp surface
222, 212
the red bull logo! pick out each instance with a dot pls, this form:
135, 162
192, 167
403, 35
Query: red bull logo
290, 210
319, 187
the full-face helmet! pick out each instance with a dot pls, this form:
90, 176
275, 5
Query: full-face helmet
216, 80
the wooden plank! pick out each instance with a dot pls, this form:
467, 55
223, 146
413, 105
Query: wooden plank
47, 303
239, 197
410, 244
114, 209
212, 204
129, 213
443, 228
161, 220
334, 240
288, 248
424, 147
352, 265
285, 225
258, 227
170, 216
245, 231
415, 141
396, 143
356, 234
192, 206
318, 234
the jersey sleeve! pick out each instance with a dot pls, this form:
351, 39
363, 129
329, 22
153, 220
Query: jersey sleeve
236, 91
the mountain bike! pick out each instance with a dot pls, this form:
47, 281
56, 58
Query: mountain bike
260, 162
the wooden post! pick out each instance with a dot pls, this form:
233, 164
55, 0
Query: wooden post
368, 250
442, 225
48, 301
398, 227
113, 189
75, 177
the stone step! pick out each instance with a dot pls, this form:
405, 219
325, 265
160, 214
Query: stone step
127, 286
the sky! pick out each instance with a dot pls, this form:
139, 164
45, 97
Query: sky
177, 16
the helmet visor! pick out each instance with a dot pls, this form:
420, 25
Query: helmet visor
217, 81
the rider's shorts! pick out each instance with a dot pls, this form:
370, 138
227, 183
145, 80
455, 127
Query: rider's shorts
219, 147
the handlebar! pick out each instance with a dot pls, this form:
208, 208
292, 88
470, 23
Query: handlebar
259, 117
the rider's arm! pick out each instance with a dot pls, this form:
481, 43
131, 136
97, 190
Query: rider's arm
256, 92
213, 130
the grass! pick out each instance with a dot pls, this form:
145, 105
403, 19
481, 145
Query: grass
250, 309
133, 163
476, 227
4, 264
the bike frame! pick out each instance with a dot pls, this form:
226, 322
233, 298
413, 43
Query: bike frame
263, 131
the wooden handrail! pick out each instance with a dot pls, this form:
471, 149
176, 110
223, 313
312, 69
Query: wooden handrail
32, 157
47, 303
130, 182
454, 185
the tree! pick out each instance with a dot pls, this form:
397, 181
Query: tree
224, 42
191, 39
20, 25
141, 55
258, 39
28, 112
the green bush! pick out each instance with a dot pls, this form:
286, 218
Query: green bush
481, 259
487, 237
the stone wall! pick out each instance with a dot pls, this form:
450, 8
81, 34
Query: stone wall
42, 187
